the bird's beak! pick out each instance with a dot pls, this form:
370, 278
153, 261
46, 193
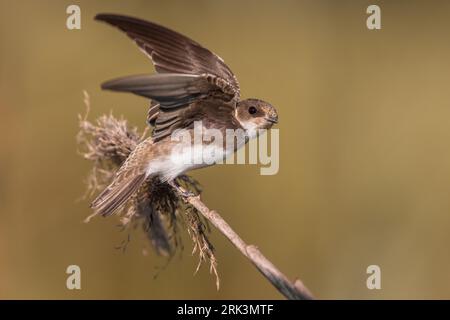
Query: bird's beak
272, 119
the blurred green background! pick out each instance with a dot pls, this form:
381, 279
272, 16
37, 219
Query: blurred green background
364, 165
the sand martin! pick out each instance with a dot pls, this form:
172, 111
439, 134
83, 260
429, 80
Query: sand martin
191, 84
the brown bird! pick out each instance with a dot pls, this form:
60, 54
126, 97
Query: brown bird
192, 84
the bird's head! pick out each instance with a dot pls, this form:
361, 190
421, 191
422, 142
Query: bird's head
256, 114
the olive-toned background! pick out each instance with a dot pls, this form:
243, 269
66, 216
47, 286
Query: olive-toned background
364, 166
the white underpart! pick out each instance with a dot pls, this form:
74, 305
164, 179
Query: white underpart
188, 158
251, 128
185, 157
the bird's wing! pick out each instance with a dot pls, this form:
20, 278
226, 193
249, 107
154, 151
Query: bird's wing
188, 72
170, 51
177, 99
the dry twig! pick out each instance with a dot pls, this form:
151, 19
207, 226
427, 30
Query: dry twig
291, 290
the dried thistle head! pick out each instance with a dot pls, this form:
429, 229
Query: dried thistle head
156, 207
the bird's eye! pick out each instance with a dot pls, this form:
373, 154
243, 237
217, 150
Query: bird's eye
252, 110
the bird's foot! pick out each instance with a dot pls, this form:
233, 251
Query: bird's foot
184, 193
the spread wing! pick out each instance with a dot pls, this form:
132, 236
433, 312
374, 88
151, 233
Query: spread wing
188, 72
171, 51
181, 99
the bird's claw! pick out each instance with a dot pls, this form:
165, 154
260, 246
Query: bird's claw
187, 194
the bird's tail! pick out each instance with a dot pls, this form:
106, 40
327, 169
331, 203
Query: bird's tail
126, 182
116, 194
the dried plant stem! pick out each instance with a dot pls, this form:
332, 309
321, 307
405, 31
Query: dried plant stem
291, 290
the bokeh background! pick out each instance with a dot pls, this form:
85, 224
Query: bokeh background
364, 166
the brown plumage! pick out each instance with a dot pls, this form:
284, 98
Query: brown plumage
192, 84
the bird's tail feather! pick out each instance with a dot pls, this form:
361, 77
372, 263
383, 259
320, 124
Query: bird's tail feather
116, 194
